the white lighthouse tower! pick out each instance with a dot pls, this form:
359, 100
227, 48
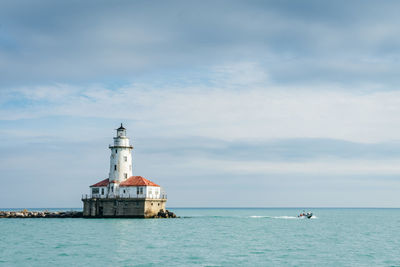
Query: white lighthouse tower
120, 161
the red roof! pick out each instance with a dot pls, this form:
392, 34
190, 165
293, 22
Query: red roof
101, 183
137, 181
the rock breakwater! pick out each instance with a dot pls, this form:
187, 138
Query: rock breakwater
65, 214
41, 214
165, 214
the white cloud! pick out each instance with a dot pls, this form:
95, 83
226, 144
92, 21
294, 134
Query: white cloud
317, 167
222, 111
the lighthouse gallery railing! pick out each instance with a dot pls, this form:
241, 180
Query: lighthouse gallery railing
86, 196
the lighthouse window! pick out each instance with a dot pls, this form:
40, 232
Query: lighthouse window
95, 190
126, 158
126, 175
102, 191
115, 167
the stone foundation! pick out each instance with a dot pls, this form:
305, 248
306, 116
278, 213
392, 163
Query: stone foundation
122, 207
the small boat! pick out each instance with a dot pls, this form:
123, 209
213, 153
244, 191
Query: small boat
304, 214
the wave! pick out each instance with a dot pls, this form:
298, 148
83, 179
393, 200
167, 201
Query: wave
282, 217
274, 217
286, 217
256, 216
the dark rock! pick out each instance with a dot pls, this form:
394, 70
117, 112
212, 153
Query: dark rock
40, 214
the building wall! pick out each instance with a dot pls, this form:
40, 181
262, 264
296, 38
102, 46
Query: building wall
120, 163
148, 191
153, 206
153, 192
99, 195
113, 190
129, 208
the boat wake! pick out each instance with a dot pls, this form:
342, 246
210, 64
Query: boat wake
282, 217
253, 217
285, 217
275, 217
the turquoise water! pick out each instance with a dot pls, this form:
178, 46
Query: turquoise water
208, 237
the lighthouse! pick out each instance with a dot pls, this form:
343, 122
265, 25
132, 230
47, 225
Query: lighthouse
120, 160
121, 157
122, 194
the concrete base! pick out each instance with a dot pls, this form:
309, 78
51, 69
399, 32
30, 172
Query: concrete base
122, 207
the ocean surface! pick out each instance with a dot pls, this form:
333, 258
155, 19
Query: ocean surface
208, 237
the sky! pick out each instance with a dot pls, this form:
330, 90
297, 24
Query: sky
227, 103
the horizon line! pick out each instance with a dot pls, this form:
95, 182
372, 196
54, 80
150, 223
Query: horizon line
329, 207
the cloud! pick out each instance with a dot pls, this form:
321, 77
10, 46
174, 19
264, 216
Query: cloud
231, 107
99, 41
332, 167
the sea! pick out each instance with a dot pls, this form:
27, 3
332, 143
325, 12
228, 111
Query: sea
208, 237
